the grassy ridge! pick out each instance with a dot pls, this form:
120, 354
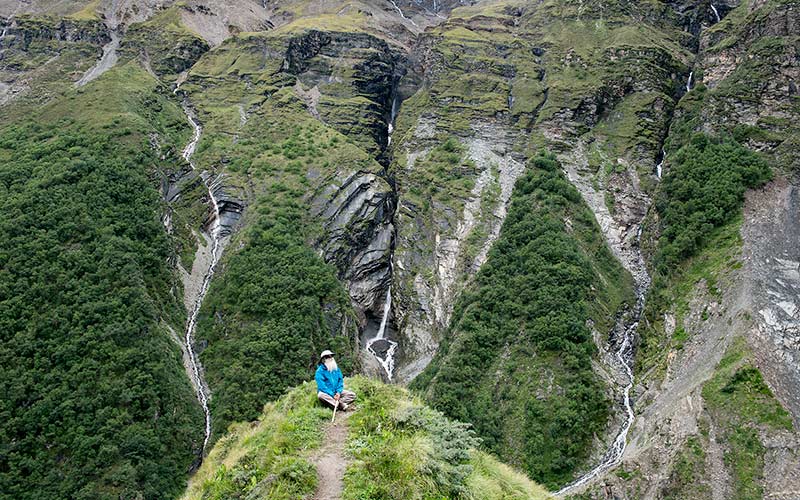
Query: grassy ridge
517, 360
95, 401
396, 449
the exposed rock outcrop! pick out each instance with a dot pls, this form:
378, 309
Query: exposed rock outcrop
354, 75
356, 209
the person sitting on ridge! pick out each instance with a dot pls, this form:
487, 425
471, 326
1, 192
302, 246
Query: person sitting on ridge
330, 383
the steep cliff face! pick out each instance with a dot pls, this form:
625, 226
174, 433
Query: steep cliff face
735, 289
375, 168
457, 154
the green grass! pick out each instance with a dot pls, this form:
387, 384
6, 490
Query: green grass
444, 176
396, 449
738, 390
686, 478
170, 47
267, 458
742, 407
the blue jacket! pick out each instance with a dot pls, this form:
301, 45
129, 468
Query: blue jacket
330, 383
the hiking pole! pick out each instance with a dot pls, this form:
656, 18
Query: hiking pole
334, 410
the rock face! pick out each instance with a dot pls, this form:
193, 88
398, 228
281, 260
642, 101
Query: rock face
436, 256
356, 210
772, 269
348, 72
391, 135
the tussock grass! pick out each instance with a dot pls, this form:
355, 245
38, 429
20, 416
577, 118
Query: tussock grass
397, 448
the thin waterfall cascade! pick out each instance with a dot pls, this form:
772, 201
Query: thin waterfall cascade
392, 116
716, 13
624, 357
623, 335
9, 23
399, 11
689, 81
217, 246
660, 165
381, 347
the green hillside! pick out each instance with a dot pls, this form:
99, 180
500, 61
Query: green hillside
396, 448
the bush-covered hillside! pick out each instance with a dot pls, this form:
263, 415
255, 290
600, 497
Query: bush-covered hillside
95, 403
396, 449
517, 361
703, 190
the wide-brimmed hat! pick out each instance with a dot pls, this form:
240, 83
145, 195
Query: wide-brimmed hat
325, 354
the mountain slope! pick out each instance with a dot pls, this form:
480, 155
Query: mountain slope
372, 174
96, 403
395, 448
517, 362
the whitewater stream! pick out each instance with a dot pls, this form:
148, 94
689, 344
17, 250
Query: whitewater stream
397, 8
217, 245
660, 165
621, 338
716, 13
381, 347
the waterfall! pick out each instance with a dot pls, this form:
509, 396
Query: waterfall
660, 165
622, 336
382, 348
689, 82
217, 246
392, 116
626, 326
716, 14
397, 8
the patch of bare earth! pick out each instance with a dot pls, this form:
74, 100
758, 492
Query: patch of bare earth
330, 460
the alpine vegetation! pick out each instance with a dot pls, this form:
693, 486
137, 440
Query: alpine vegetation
399, 249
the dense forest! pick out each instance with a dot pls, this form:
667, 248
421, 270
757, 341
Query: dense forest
95, 401
523, 323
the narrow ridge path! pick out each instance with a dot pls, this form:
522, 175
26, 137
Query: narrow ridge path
330, 460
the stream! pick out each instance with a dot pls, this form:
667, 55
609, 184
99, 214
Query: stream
217, 245
381, 347
397, 8
621, 337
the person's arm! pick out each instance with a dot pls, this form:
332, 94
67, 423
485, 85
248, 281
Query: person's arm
339, 382
322, 384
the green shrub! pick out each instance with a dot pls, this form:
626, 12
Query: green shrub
703, 189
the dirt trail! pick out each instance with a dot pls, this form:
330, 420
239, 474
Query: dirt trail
330, 460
